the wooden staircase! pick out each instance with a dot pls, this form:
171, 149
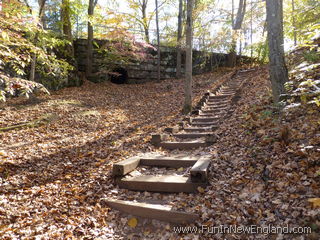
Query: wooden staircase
194, 131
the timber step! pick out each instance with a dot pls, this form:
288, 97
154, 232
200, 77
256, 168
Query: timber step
211, 111
165, 183
200, 129
192, 135
215, 105
220, 96
153, 159
227, 92
183, 145
152, 211
204, 119
173, 161
202, 124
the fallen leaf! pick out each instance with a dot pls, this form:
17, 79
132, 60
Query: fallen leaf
200, 190
315, 202
132, 222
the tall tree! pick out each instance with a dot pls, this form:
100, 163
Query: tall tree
92, 4
146, 24
65, 19
189, 42
34, 56
158, 40
236, 25
277, 67
294, 23
179, 38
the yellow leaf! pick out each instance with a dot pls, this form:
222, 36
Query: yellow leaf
180, 169
133, 222
3, 153
315, 202
200, 190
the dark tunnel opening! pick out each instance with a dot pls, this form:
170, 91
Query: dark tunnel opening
120, 77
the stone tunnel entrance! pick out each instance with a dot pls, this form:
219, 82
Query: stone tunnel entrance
120, 77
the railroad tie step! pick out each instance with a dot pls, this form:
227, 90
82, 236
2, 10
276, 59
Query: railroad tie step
192, 135
203, 124
151, 211
200, 129
188, 145
204, 119
224, 96
164, 183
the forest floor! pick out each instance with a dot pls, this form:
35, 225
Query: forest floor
53, 176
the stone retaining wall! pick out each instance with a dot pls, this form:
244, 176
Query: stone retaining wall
147, 70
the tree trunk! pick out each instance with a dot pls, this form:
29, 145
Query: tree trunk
179, 38
240, 14
66, 25
277, 67
294, 24
231, 58
188, 80
92, 4
144, 20
251, 31
158, 40
34, 57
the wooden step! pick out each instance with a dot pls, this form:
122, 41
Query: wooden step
200, 129
151, 211
174, 161
215, 108
201, 114
183, 145
125, 166
215, 105
204, 119
227, 92
166, 183
220, 96
192, 135
200, 170
203, 124
210, 111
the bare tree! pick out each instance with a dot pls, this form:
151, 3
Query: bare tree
92, 4
189, 40
277, 67
179, 38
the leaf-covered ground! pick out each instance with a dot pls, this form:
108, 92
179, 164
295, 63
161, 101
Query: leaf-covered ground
265, 167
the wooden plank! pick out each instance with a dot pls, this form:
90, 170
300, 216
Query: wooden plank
192, 135
157, 138
220, 96
216, 107
200, 129
152, 211
125, 166
183, 145
217, 104
171, 129
199, 171
174, 162
204, 123
166, 183
204, 119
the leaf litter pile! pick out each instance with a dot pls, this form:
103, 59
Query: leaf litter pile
265, 165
